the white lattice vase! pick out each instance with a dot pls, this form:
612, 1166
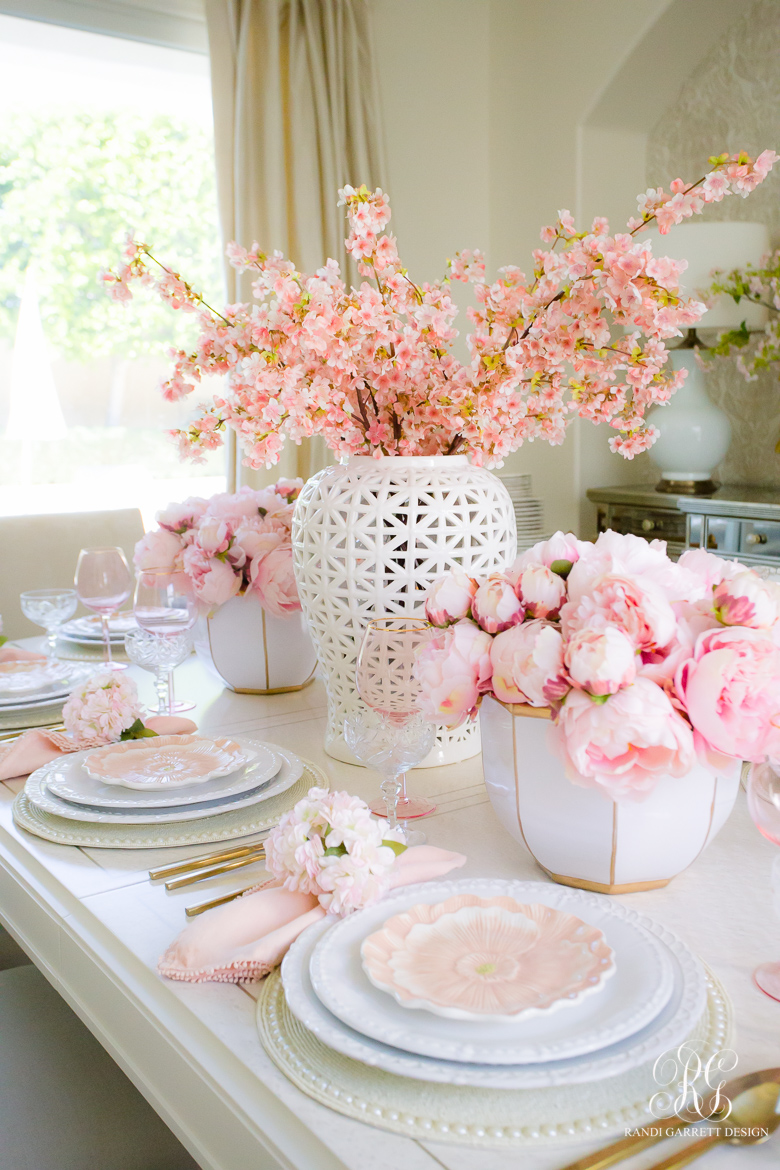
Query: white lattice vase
369, 536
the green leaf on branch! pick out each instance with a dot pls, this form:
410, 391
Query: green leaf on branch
138, 731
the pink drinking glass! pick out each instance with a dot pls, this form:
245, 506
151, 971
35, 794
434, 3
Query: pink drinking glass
387, 684
763, 795
103, 583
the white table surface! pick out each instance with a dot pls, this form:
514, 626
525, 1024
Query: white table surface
95, 926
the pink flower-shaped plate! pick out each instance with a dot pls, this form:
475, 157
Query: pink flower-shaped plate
168, 761
471, 958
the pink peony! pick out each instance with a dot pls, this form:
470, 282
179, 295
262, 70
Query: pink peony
541, 591
99, 710
562, 550
601, 661
495, 605
625, 555
213, 580
640, 610
626, 744
454, 669
159, 549
746, 600
275, 582
708, 569
180, 518
449, 598
730, 689
528, 665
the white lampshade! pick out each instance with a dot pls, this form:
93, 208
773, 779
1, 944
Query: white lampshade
716, 245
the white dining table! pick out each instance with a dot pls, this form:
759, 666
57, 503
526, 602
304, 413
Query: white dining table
95, 926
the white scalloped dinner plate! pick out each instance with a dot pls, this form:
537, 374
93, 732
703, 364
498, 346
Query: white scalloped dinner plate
73, 783
640, 987
37, 792
670, 1027
67, 676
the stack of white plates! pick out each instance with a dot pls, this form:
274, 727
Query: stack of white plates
148, 781
651, 1001
529, 513
88, 631
27, 686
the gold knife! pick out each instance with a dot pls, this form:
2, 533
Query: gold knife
207, 860
193, 911
226, 867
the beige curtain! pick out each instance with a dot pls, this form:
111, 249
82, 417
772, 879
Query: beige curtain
296, 116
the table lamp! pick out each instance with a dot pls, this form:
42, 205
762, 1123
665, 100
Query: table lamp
694, 432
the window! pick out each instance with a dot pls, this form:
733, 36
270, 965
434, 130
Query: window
98, 135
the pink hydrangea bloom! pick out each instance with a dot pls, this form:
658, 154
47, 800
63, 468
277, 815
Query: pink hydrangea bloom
495, 605
624, 745
541, 591
528, 665
330, 845
449, 598
746, 600
601, 660
100, 709
454, 669
730, 689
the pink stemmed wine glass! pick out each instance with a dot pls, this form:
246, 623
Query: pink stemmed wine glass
386, 683
103, 583
763, 795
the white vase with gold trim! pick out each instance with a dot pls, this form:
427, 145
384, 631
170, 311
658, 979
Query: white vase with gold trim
580, 836
254, 652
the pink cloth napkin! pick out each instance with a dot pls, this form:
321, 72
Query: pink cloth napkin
36, 748
10, 653
248, 937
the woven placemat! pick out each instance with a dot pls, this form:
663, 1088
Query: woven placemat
225, 826
497, 1118
35, 717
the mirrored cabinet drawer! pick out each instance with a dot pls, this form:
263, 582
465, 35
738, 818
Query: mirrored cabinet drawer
760, 538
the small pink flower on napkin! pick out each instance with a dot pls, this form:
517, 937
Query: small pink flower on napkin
248, 937
36, 748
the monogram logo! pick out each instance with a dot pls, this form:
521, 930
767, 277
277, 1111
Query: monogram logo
690, 1082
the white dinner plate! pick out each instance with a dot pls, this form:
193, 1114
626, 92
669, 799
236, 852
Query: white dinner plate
641, 985
38, 793
89, 630
74, 784
63, 678
669, 1028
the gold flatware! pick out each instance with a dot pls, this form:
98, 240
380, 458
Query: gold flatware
226, 867
194, 911
768, 1080
755, 1110
18, 732
208, 859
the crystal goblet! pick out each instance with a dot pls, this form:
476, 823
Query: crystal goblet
390, 748
160, 655
49, 608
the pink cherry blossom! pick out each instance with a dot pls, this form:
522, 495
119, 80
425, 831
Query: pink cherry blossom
730, 689
528, 665
449, 598
454, 669
541, 591
746, 600
601, 661
625, 744
371, 369
495, 605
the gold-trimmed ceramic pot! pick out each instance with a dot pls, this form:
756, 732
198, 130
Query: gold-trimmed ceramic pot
580, 836
254, 652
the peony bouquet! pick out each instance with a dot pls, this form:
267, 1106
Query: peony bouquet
228, 545
330, 845
371, 369
645, 664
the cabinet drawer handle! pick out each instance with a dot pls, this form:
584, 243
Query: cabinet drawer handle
756, 538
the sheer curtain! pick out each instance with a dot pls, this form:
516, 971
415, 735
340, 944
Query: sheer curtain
296, 116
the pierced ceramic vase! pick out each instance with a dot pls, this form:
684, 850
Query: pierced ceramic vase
369, 536
579, 836
254, 652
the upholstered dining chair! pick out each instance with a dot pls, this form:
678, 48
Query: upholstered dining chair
40, 552
64, 1103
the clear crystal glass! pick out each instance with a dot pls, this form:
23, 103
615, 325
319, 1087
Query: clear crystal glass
391, 748
160, 654
49, 608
